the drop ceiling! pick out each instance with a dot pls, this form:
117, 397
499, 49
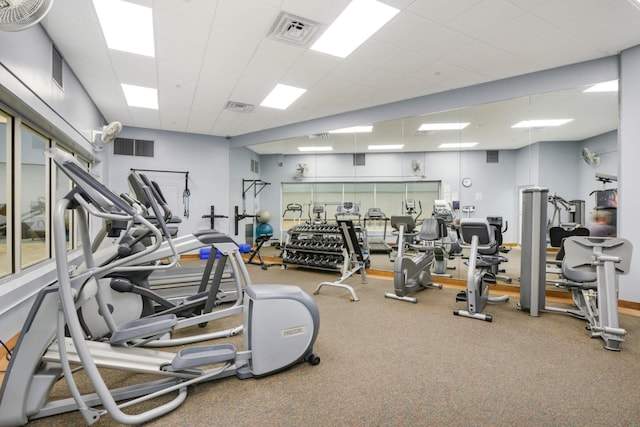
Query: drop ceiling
210, 53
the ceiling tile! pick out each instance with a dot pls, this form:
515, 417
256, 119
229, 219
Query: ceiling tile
134, 69
405, 30
440, 11
246, 16
440, 43
185, 30
484, 16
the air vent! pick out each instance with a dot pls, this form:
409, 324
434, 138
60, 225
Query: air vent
56, 67
493, 156
293, 29
133, 147
425, 132
324, 135
239, 107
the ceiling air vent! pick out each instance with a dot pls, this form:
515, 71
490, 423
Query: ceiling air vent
425, 132
293, 29
323, 135
239, 107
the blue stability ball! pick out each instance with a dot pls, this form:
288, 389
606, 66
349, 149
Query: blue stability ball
264, 229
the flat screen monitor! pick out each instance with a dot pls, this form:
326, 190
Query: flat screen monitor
607, 198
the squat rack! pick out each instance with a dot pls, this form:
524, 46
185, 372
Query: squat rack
258, 185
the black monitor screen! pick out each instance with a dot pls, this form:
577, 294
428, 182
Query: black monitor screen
455, 205
607, 199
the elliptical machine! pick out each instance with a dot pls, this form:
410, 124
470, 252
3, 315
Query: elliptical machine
281, 323
412, 273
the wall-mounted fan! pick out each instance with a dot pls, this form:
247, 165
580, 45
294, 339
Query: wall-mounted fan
301, 170
416, 167
17, 15
589, 157
107, 134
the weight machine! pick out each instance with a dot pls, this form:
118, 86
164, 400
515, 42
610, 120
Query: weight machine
590, 267
574, 208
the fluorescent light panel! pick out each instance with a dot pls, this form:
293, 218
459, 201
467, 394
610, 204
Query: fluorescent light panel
610, 86
541, 123
282, 96
354, 129
386, 147
126, 26
457, 145
323, 148
138, 96
442, 126
359, 21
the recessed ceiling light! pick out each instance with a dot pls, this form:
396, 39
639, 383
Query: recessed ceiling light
138, 96
359, 21
354, 129
458, 145
126, 26
442, 126
610, 86
282, 96
324, 148
386, 147
541, 123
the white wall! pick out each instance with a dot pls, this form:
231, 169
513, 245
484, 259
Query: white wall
206, 158
492, 192
629, 171
67, 114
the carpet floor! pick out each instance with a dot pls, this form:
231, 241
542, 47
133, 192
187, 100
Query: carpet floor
392, 363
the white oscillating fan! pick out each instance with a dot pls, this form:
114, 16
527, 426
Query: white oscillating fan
17, 15
107, 134
589, 157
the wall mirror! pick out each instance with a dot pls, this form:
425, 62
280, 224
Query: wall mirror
479, 167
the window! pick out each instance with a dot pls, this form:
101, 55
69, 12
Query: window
31, 200
5, 138
389, 197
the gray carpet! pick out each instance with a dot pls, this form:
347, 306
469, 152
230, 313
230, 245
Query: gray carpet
392, 363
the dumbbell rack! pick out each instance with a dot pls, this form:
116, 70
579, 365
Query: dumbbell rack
315, 246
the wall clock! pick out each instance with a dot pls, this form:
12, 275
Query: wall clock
466, 182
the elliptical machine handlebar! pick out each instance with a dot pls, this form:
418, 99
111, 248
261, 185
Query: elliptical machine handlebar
101, 202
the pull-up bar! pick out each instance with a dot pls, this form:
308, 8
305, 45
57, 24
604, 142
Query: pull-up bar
258, 185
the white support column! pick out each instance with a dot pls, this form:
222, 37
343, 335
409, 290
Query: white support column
629, 172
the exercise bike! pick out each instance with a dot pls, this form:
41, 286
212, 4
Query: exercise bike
483, 260
281, 321
412, 273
